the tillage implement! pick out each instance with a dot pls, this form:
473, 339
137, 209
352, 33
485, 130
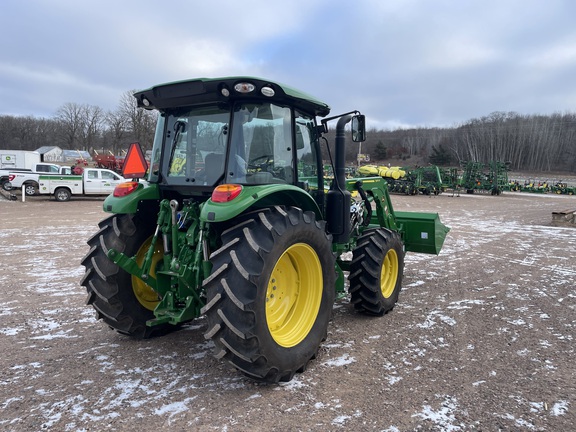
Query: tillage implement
232, 219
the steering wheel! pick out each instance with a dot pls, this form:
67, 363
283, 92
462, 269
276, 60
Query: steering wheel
261, 162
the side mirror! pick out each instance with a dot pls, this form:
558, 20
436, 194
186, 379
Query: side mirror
358, 128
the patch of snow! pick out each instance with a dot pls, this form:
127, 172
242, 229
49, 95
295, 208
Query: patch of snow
341, 420
11, 331
295, 384
254, 396
343, 360
11, 400
413, 284
174, 408
443, 417
559, 408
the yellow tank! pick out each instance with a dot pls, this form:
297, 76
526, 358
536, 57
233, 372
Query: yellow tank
391, 172
368, 170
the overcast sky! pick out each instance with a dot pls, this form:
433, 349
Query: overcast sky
401, 62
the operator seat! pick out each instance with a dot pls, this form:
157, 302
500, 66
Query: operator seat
213, 167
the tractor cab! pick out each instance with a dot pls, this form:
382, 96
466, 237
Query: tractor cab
244, 143
233, 131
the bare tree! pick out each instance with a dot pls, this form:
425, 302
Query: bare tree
92, 122
18, 133
141, 122
7, 127
117, 129
71, 119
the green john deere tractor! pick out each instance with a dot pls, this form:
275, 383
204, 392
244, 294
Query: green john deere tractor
235, 221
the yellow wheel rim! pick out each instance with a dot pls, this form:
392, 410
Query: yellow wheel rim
389, 273
294, 295
143, 292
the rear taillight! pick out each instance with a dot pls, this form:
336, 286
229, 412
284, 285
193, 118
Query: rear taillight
11, 177
124, 189
226, 192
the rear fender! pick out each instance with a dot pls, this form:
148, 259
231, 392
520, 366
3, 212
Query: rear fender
129, 204
254, 197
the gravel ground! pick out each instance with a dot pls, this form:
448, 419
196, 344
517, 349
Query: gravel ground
482, 337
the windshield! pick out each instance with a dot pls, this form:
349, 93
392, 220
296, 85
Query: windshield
260, 139
262, 145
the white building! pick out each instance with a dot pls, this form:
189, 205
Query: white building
74, 155
51, 154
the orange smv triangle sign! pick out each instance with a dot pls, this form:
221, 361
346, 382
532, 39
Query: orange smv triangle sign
135, 164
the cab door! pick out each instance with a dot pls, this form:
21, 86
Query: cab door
92, 181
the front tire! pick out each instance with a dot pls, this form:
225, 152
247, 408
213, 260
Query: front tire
124, 302
62, 194
376, 271
270, 293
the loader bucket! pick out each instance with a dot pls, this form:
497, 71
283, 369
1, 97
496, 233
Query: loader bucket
423, 232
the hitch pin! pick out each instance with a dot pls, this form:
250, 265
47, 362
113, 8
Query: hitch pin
174, 207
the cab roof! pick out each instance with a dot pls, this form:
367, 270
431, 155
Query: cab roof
210, 90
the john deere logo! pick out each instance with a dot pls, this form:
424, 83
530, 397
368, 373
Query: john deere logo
8, 158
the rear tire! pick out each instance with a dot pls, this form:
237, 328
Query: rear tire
30, 189
122, 301
376, 271
270, 293
5, 184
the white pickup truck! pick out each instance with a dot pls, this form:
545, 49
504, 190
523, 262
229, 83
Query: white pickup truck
30, 179
93, 181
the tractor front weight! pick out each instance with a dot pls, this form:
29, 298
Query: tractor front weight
176, 277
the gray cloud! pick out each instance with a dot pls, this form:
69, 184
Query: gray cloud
401, 62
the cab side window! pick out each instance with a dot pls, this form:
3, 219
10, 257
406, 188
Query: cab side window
305, 149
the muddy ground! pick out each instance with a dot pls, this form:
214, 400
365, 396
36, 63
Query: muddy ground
482, 337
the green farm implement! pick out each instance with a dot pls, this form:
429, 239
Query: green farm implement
409, 181
563, 188
235, 221
491, 177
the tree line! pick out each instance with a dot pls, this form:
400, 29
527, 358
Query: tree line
538, 143
82, 127
528, 142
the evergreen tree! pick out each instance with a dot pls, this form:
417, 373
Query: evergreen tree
380, 151
440, 156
